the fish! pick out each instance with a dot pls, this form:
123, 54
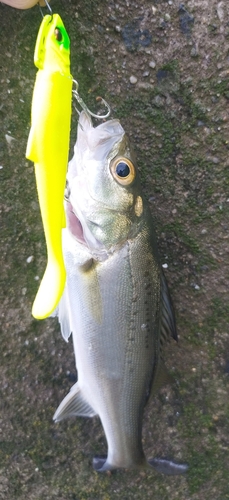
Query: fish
116, 303
48, 148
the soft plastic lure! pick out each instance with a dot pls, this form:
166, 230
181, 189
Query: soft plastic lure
48, 147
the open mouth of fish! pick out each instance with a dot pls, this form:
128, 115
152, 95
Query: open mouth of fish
74, 224
80, 231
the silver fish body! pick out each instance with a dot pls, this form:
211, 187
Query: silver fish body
116, 303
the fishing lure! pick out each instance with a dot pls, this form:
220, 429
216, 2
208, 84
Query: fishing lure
48, 146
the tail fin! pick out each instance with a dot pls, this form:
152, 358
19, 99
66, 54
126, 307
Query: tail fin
168, 467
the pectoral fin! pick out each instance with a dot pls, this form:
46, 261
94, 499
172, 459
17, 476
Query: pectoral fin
62, 312
73, 405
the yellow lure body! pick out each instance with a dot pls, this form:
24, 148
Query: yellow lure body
48, 147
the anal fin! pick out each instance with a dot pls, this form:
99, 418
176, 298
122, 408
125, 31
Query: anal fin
73, 405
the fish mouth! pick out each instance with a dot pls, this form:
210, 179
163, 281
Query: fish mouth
73, 223
80, 231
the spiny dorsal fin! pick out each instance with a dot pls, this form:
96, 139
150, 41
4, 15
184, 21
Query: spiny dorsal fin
73, 405
167, 329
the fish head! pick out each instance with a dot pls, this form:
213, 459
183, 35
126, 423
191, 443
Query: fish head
52, 50
105, 205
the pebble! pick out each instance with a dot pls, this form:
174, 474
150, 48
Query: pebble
133, 79
152, 64
145, 86
220, 11
29, 259
167, 17
9, 139
165, 266
158, 101
213, 159
194, 52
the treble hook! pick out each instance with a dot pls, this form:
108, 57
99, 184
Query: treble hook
48, 7
84, 106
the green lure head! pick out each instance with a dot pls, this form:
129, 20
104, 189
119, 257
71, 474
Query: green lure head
52, 51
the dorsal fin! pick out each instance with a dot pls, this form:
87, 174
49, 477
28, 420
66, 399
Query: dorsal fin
167, 329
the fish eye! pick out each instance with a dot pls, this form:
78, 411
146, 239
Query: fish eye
58, 34
123, 170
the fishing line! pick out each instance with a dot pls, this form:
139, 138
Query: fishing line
48, 7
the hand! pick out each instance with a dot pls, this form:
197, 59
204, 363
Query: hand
23, 4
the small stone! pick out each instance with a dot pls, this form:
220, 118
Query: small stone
152, 64
213, 159
29, 259
162, 23
165, 266
24, 290
133, 79
145, 86
158, 101
220, 11
146, 73
193, 52
167, 17
9, 139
